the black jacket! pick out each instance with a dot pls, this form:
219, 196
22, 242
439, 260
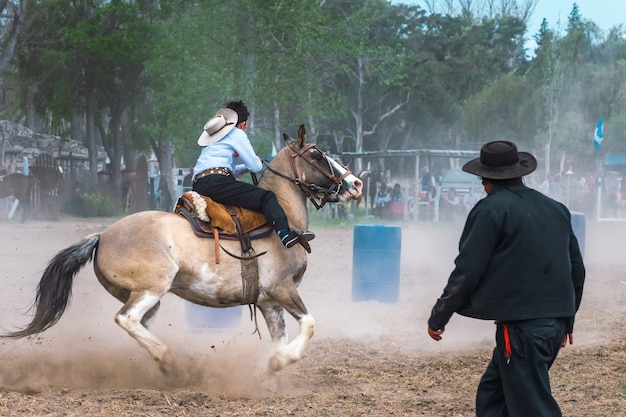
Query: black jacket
518, 259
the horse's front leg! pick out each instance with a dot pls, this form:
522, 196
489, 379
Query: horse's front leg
286, 352
275, 320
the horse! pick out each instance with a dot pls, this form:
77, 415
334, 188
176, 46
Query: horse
370, 179
143, 256
17, 185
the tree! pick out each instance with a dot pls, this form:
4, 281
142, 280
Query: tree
95, 52
192, 72
369, 61
286, 65
549, 80
501, 111
121, 46
365, 75
13, 19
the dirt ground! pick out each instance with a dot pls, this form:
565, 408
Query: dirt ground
367, 358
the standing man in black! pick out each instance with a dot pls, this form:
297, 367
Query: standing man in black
519, 264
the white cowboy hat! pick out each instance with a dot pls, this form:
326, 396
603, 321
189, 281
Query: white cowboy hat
218, 126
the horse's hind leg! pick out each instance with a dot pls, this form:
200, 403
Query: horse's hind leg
148, 318
134, 316
122, 294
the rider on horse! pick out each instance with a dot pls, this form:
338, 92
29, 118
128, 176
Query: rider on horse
223, 140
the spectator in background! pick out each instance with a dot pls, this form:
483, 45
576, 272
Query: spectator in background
452, 205
382, 200
555, 190
396, 194
396, 206
470, 199
427, 185
545, 185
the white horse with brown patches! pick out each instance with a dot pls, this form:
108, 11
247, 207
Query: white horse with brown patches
143, 256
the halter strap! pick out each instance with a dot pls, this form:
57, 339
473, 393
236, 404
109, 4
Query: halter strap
308, 188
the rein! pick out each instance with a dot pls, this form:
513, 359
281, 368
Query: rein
308, 188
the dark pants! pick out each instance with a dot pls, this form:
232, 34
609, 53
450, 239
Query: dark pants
225, 189
520, 387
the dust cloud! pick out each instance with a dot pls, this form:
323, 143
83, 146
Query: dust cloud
86, 349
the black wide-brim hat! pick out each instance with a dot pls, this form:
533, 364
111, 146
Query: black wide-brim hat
500, 160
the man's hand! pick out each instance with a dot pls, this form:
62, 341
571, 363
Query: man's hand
568, 337
436, 334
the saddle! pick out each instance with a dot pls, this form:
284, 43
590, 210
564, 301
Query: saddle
219, 221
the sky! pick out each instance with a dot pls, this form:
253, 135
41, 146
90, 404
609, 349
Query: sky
605, 13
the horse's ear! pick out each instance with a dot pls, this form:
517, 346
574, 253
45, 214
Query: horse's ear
288, 139
301, 136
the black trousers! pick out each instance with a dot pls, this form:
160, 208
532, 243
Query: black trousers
519, 386
225, 189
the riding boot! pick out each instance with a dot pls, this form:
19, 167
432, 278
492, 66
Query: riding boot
290, 237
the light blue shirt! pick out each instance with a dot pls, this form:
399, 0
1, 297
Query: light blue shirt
224, 154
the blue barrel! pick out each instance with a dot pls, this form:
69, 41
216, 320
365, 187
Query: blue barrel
578, 225
376, 263
203, 319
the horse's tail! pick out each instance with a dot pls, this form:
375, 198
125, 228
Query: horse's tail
55, 287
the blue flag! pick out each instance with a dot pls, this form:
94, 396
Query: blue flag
598, 136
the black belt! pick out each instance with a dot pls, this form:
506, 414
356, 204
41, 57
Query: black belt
211, 171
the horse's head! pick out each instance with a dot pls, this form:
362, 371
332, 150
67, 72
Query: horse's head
320, 176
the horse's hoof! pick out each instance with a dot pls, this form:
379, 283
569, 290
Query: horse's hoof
172, 372
274, 365
174, 376
167, 368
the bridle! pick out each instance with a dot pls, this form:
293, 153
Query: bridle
311, 190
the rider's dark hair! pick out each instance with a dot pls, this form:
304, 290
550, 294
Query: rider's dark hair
240, 108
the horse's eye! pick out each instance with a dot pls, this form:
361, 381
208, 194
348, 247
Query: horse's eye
317, 155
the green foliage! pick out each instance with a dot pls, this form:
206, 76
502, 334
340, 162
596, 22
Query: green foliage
364, 74
498, 112
92, 205
189, 75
